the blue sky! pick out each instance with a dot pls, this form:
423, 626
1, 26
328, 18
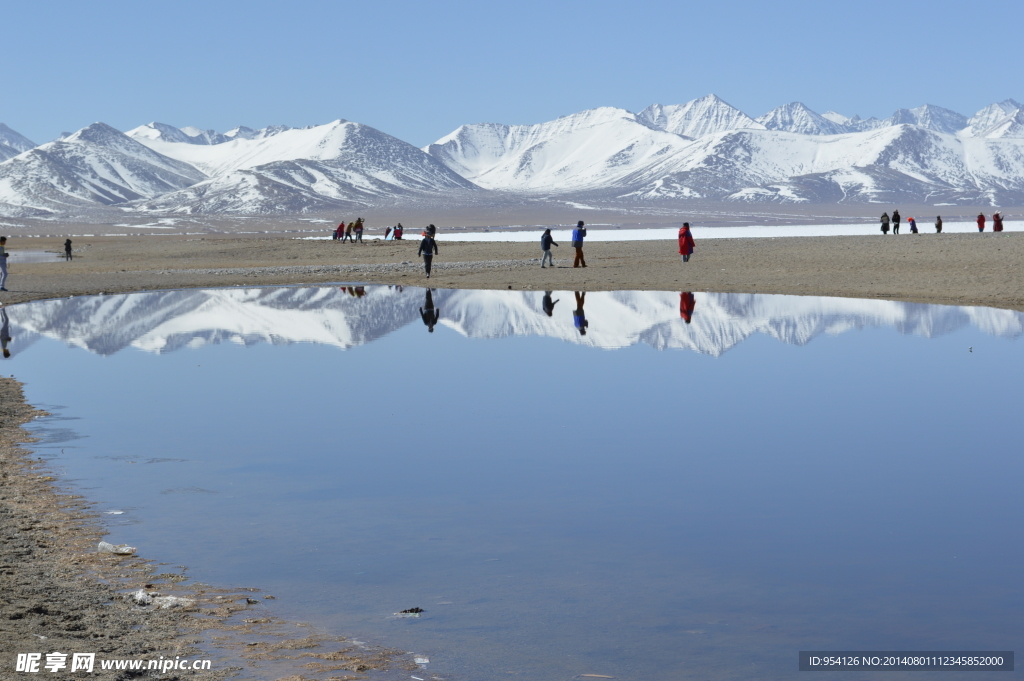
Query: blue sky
417, 70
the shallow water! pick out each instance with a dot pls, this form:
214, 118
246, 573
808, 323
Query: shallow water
781, 474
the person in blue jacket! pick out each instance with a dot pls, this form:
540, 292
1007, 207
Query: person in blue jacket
577, 242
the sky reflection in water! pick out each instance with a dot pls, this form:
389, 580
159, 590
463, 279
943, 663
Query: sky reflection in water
556, 508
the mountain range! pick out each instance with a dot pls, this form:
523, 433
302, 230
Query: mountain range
164, 321
704, 149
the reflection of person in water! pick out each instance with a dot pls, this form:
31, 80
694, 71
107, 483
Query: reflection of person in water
686, 305
428, 313
578, 318
549, 305
5, 331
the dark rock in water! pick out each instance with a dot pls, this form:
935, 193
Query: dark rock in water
411, 611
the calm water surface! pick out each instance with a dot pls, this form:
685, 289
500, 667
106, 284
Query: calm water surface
652, 500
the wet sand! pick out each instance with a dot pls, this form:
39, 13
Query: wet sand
956, 269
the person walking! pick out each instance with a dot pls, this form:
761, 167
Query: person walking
686, 304
579, 318
938, 224
5, 331
3, 263
913, 225
339, 231
997, 222
359, 230
67, 250
548, 304
895, 222
578, 235
981, 222
428, 314
885, 223
428, 249
685, 242
546, 242
348, 233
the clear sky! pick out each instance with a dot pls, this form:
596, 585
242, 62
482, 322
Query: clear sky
417, 70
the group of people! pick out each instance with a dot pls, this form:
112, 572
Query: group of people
894, 222
686, 245
352, 232
997, 222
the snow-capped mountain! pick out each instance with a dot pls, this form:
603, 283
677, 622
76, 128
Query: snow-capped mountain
980, 123
796, 117
95, 166
296, 170
930, 117
167, 321
12, 143
704, 116
702, 149
1010, 127
589, 150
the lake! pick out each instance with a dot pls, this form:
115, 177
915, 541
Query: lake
698, 486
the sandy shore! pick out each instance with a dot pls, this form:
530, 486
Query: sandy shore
958, 269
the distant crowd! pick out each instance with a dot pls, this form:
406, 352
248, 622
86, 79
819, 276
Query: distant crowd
894, 223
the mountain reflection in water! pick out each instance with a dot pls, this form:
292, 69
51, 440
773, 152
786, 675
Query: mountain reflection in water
345, 317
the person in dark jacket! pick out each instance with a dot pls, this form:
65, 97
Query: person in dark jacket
428, 249
428, 313
981, 222
548, 304
546, 242
895, 222
686, 304
997, 222
67, 250
885, 223
579, 318
938, 224
578, 235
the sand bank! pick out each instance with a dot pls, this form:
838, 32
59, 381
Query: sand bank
957, 269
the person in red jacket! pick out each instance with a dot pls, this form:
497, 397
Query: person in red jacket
997, 222
686, 304
685, 242
981, 222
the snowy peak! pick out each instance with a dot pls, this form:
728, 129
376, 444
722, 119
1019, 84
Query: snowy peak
991, 116
704, 116
13, 143
97, 165
931, 117
796, 117
591, 149
339, 165
1010, 127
